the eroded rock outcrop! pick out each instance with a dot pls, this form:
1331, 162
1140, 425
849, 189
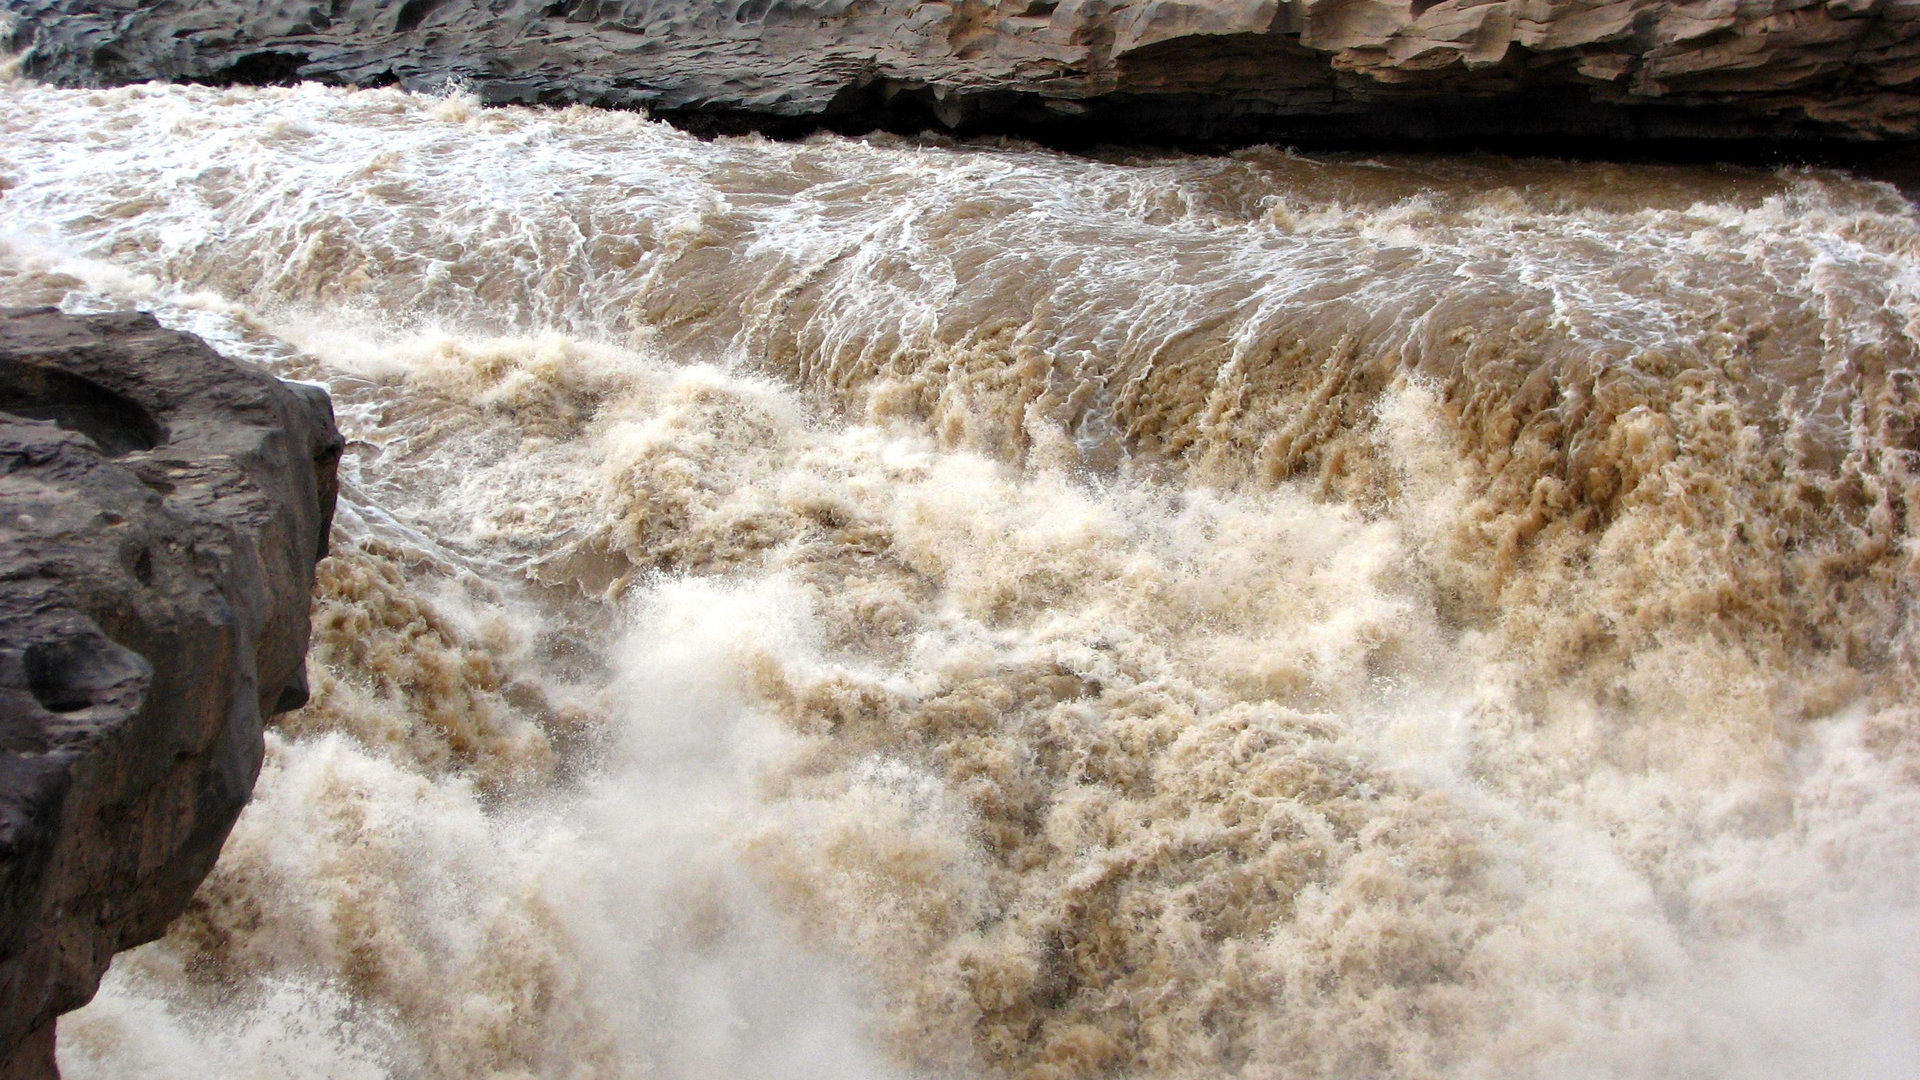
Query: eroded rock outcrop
161, 511
1181, 69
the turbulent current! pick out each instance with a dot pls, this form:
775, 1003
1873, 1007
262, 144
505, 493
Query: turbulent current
891, 608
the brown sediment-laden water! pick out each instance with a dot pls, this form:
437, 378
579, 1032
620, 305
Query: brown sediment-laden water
887, 607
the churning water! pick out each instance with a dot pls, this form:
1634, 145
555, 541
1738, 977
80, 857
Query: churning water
889, 608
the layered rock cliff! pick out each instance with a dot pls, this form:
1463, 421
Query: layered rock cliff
1337, 70
161, 511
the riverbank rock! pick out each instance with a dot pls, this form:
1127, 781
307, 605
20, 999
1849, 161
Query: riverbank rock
1338, 71
161, 511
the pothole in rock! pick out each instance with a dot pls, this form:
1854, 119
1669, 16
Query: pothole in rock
67, 676
116, 423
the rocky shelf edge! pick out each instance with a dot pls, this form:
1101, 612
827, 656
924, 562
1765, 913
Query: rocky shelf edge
161, 512
1314, 71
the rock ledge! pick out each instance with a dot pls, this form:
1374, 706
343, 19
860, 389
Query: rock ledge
161, 511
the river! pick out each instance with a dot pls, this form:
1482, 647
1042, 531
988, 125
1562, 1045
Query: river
891, 607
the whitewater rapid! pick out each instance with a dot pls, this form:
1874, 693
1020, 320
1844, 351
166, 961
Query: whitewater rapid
893, 608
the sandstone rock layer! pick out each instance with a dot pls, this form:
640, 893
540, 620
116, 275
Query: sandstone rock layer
1336, 70
161, 511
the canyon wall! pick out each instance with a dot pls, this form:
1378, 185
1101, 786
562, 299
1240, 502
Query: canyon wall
1399, 71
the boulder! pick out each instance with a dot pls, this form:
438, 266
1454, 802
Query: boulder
161, 512
1344, 71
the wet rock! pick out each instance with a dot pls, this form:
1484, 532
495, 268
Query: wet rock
161, 511
1405, 71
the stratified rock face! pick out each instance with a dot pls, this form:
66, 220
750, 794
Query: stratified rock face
1331, 69
161, 511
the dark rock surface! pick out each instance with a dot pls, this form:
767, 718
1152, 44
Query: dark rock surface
1330, 71
161, 511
